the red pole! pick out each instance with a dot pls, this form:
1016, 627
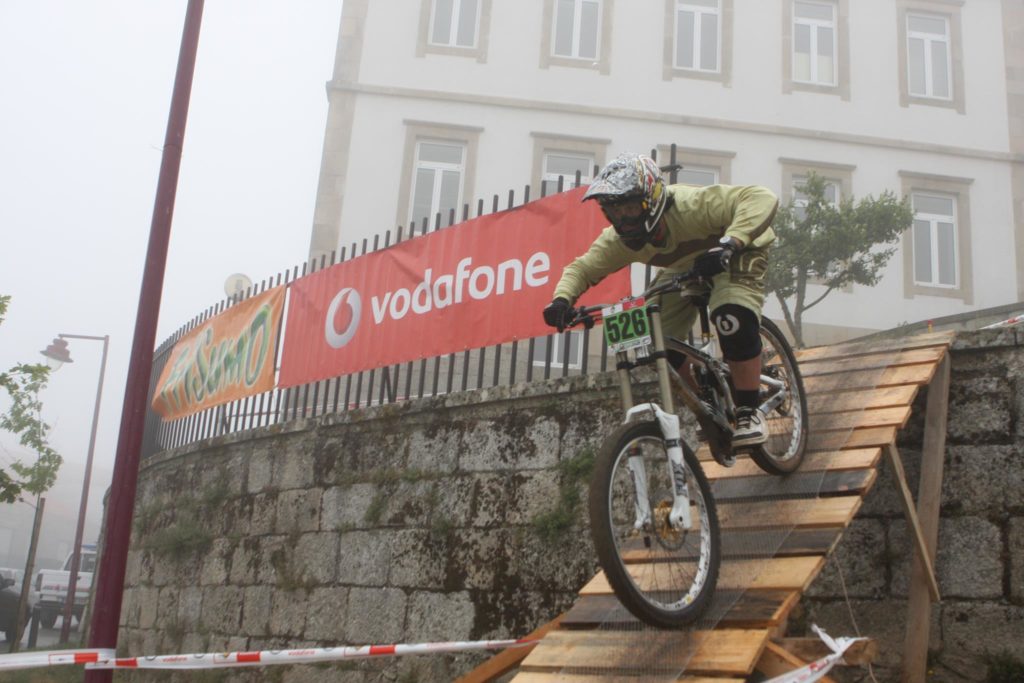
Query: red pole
114, 554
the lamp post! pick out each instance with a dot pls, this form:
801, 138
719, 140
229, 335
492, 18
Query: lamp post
56, 355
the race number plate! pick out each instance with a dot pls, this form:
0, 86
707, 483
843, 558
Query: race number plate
626, 325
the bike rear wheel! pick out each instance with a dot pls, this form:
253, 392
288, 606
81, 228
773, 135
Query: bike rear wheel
787, 423
664, 576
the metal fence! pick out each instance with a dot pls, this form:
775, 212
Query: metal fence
557, 355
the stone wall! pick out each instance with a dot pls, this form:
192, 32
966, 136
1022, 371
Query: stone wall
451, 518
980, 563
461, 517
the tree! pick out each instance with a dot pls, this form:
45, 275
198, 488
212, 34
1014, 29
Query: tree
23, 383
831, 245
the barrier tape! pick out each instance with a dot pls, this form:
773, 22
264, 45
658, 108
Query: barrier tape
31, 660
1005, 323
214, 660
817, 669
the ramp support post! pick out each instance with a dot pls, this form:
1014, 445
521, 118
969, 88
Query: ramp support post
923, 586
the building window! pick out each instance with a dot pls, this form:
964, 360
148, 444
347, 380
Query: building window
437, 179
577, 29
540, 349
928, 56
814, 43
699, 167
565, 165
937, 247
454, 23
438, 168
454, 27
698, 25
934, 240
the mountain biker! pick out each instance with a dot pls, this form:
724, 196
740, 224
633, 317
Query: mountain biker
721, 232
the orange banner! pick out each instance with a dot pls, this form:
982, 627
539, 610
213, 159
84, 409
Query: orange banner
228, 357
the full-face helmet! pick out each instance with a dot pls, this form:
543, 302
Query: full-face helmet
632, 195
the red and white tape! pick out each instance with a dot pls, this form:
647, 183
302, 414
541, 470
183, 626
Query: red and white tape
815, 671
31, 660
214, 660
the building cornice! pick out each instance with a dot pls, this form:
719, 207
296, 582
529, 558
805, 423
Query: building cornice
677, 119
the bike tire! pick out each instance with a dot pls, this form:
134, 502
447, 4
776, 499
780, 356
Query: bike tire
787, 425
669, 587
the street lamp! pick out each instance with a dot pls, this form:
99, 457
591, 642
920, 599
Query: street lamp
56, 355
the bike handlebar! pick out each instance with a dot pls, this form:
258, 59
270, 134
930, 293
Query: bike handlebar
585, 314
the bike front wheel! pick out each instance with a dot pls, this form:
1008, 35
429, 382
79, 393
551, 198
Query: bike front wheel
786, 423
662, 573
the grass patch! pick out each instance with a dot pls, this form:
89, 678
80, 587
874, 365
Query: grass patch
181, 539
552, 525
1004, 667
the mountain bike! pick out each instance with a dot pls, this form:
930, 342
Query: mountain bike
652, 514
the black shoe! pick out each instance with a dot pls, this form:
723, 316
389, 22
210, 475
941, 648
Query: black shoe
750, 429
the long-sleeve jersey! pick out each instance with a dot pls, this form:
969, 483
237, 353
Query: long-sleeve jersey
696, 217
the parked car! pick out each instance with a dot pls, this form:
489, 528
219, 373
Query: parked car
10, 592
51, 587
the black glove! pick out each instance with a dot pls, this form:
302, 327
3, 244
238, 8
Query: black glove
714, 261
558, 313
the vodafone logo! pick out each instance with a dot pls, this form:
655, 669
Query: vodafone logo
344, 312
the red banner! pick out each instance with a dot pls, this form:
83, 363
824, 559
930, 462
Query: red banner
479, 283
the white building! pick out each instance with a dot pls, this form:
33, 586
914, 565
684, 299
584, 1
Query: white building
436, 103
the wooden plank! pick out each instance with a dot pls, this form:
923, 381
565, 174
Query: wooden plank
915, 649
826, 353
853, 438
813, 462
847, 381
874, 361
507, 659
722, 651
776, 661
742, 544
749, 609
797, 485
860, 418
809, 513
864, 399
786, 573
923, 552
559, 677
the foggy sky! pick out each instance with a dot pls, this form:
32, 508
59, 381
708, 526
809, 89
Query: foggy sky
83, 112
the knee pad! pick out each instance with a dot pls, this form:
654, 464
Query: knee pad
738, 332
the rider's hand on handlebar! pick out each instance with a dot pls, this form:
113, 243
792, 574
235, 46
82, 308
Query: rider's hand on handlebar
559, 314
714, 261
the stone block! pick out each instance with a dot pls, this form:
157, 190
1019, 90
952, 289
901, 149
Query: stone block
190, 605
972, 630
315, 557
983, 480
264, 514
1016, 545
344, 507
436, 449
455, 500
490, 498
375, 615
984, 339
273, 566
222, 608
531, 492
256, 608
364, 558
298, 510
519, 442
982, 410
288, 613
294, 464
215, 564
327, 614
959, 538
419, 559
245, 561
440, 617
147, 601
408, 503
561, 564
359, 450
261, 467
861, 558
479, 558
884, 499
167, 606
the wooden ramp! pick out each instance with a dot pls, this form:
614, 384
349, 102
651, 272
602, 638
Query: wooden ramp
859, 396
